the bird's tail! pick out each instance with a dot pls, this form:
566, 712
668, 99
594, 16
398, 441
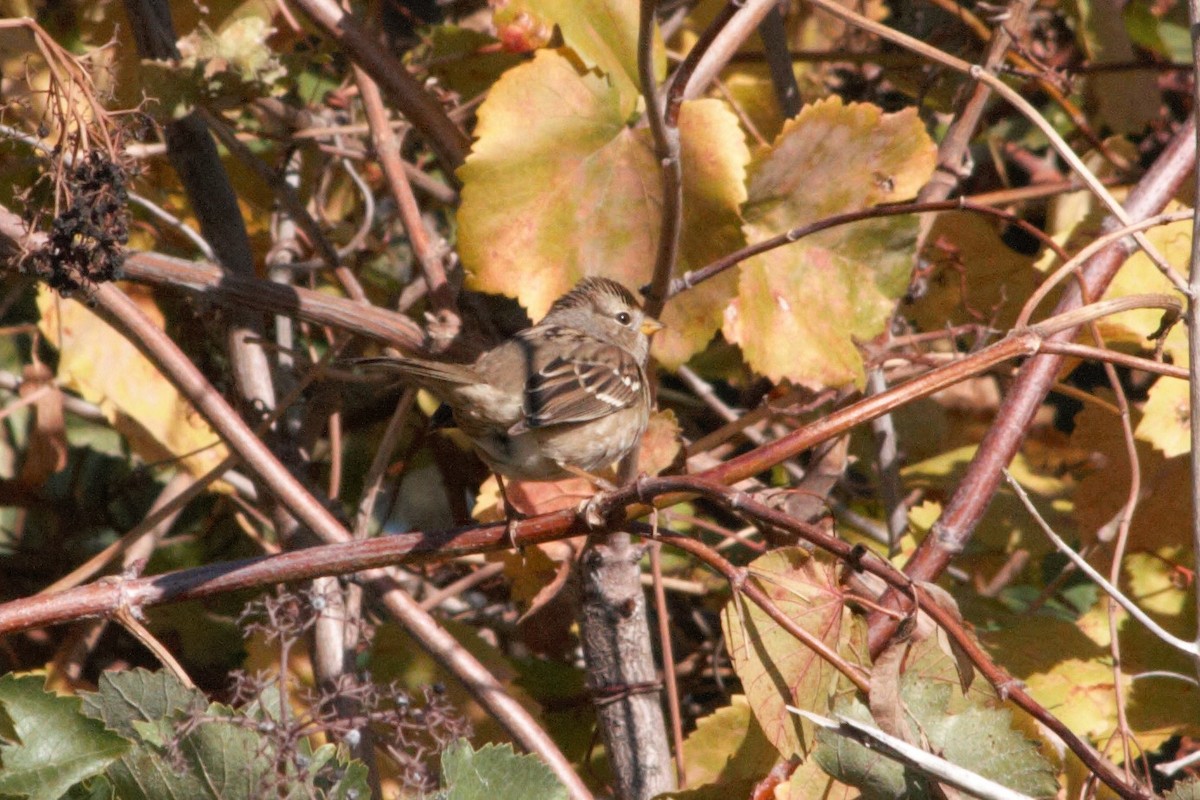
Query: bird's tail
420, 370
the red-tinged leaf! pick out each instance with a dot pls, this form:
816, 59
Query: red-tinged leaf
775, 669
556, 187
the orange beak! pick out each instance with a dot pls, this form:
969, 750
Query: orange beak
651, 326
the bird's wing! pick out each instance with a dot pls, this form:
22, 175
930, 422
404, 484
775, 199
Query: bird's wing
596, 379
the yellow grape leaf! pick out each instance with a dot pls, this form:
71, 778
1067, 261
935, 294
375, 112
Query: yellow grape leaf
603, 33
810, 782
1138, 275
1157, 581
547, 187
1166, 416
1080, 693
776, 670
832, 158
1067, 667
728, 747
106, 369
714, 157
976, 276
921, 517
557, 187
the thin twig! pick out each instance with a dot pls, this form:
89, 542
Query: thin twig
1189, 648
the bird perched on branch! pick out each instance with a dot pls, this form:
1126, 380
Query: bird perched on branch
567, 396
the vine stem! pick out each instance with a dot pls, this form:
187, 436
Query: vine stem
1193, 319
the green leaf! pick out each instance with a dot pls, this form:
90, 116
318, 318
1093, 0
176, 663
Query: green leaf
495, 772
978, 738
1166, 35
877, 777
58, 746
463, 60
228, 754
983, 740
139, 695
832, 158
216, 759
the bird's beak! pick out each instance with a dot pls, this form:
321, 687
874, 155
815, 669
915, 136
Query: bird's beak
651, 326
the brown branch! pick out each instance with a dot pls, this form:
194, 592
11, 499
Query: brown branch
953, 148
442, 296
406, 93
109, 596
950, 534
212, 285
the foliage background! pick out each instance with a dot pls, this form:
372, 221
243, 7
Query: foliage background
562, 180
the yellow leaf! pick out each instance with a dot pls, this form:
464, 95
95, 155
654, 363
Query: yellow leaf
727, 746
106, 369
1166, 417
557, 187
603, 33
801, 308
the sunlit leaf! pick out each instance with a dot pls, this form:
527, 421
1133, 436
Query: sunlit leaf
495, 772
831, 159
1166, 418
603, 33
557, 187
728, 747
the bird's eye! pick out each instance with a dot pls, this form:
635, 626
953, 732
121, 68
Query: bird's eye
624, 317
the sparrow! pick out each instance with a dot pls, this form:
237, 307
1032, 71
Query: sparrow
565, 397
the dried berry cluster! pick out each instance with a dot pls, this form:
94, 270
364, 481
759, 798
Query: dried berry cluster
87, 240
413, 731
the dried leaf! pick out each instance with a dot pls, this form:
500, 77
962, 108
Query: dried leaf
884, 697
46, 451
962, 662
